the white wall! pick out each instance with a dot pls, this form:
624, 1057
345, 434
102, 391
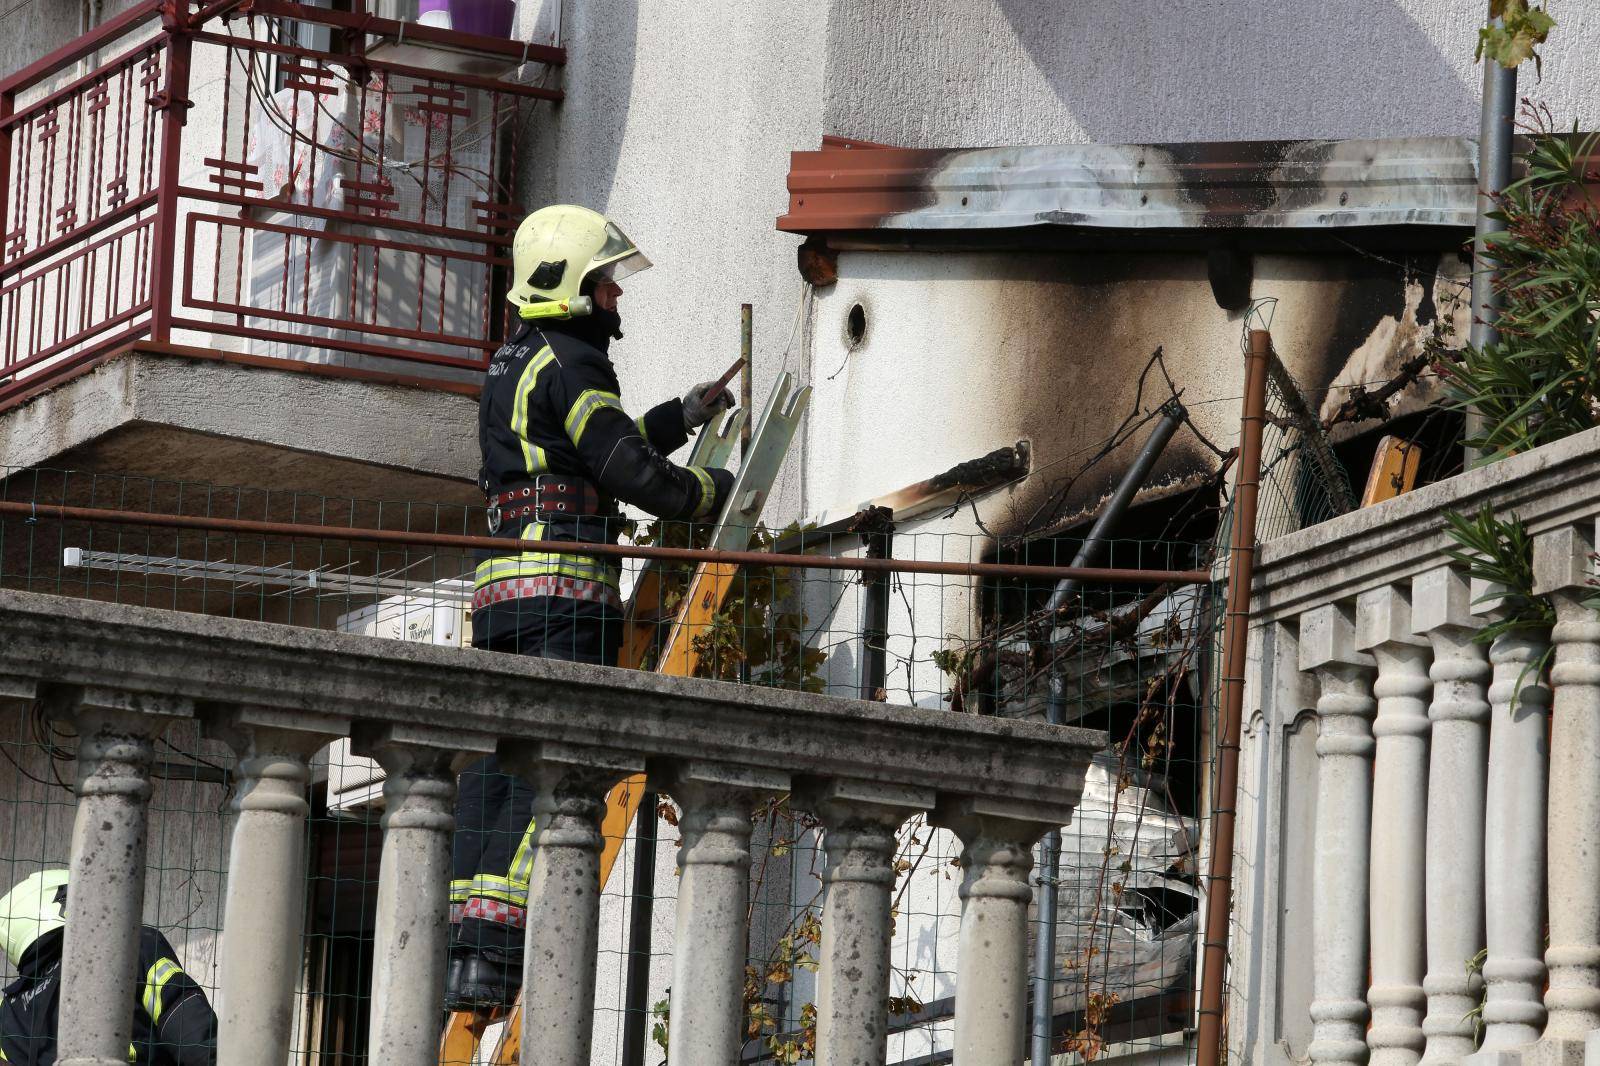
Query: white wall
961, 73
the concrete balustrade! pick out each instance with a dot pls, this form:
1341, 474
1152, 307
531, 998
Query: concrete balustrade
1399, 823
100, 950
859, 820
413, 932
1514, 833
1343, 832
713, 902
278, 694
266, 876
1457, 771
1563, 570
1505, 764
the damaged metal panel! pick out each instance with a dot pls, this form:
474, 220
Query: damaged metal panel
1128, 901
1306, 184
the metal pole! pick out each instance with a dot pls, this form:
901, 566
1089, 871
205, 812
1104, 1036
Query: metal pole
1495, 132
1044, 961
641, 922
500, 546
746, 344
1235, 644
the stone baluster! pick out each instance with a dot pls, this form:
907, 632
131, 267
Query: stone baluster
709, 941
105, 891
859, 820
1514, 828
997, 839
1458, 763
1399, 823
570, 786
1562, 570
411, 941
264, 905
1345, 708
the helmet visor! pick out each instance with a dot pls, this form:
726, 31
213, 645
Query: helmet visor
618, 257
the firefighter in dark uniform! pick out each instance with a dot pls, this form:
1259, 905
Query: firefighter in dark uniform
173, 1024
559, 453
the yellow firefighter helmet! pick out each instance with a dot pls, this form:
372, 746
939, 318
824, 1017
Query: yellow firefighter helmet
556, 249
35, 906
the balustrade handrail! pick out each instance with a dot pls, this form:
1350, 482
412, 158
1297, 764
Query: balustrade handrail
1421, 791
277, 693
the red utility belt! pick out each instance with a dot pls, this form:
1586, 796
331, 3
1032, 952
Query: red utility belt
548, 495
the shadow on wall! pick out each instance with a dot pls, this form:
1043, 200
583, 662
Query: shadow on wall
1151, 71
1221, 70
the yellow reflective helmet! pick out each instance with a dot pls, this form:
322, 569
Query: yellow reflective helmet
556, 248
35, 906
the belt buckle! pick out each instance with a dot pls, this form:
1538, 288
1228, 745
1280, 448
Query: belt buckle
493, 514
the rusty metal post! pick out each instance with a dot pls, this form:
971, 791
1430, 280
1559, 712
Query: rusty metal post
746, 343
1235, 643
174, 107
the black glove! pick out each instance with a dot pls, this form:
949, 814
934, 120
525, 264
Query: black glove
700, 408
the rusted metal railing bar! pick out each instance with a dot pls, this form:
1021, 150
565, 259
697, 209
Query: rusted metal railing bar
503, 546
76, 49
1235, 645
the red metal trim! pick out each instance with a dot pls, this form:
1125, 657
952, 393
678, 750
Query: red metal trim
856, 188
503, 546
19, 390
8, 101
474, 81
164, 250
131, 58
415, 31
831, 141
332, 215
332, 344
89, 43
111, 218
77, 254
46, 354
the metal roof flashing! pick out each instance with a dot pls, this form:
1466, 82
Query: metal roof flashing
1242, 185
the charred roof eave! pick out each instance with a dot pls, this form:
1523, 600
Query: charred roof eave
1167, 194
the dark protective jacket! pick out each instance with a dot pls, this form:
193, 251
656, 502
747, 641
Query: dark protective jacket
173, 1024
551, 404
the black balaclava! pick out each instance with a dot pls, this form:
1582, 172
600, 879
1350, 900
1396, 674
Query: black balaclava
597, 328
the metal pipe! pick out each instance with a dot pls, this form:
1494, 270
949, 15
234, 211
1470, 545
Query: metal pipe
746, 344
1496, 129
1044, 960
1235, 645
502, 546
641, 924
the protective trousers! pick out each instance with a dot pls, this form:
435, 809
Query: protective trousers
492, 858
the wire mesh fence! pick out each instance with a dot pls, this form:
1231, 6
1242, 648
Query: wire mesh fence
1135, 659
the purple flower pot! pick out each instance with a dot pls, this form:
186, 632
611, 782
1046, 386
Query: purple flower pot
492, 18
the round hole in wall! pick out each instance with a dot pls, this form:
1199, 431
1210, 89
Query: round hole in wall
963, 201
855, 326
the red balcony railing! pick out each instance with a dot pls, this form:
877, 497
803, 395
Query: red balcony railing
263, 177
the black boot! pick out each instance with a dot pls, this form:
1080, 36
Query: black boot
452, 978
484, 983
